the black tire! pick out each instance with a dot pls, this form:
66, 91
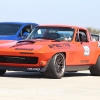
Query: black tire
2, 72
56, 67
95, 69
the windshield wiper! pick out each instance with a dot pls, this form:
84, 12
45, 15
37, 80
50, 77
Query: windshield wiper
46, 38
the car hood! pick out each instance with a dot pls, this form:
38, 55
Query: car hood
37, 44
30, 44
34, 44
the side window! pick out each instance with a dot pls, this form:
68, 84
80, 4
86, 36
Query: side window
25, 31
81, 36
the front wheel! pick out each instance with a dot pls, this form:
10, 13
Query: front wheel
56, 66
2, 72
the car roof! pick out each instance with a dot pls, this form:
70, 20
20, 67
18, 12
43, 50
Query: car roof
18, 23
60, 25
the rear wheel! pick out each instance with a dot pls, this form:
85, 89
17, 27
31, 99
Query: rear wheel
95, 69
2, 72
56, 67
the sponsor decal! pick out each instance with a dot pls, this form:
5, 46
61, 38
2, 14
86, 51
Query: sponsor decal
59, 45
20, 44
29, 49
84, 61
86, 50
33, 69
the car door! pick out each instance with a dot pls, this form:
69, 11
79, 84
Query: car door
76, 53
82, 51
88, 47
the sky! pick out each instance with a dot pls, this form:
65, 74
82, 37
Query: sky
84, 13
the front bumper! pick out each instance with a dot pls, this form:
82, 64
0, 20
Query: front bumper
27, 69
18, 61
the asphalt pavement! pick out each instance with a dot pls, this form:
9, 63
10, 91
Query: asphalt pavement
35, 86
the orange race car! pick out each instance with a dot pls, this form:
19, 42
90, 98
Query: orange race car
52, 50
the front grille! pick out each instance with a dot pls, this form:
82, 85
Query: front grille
18, 59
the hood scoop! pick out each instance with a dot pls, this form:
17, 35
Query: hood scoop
23, 42
30, 41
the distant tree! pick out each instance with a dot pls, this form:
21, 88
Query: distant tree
93, 30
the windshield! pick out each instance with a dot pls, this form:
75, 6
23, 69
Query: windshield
53, 33
9, 29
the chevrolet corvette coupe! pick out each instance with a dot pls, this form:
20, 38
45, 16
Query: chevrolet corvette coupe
52, 50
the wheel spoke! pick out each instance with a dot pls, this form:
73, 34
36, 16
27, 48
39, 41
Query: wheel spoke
59, 64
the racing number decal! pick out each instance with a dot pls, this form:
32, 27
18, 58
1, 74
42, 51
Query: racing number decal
86, 50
